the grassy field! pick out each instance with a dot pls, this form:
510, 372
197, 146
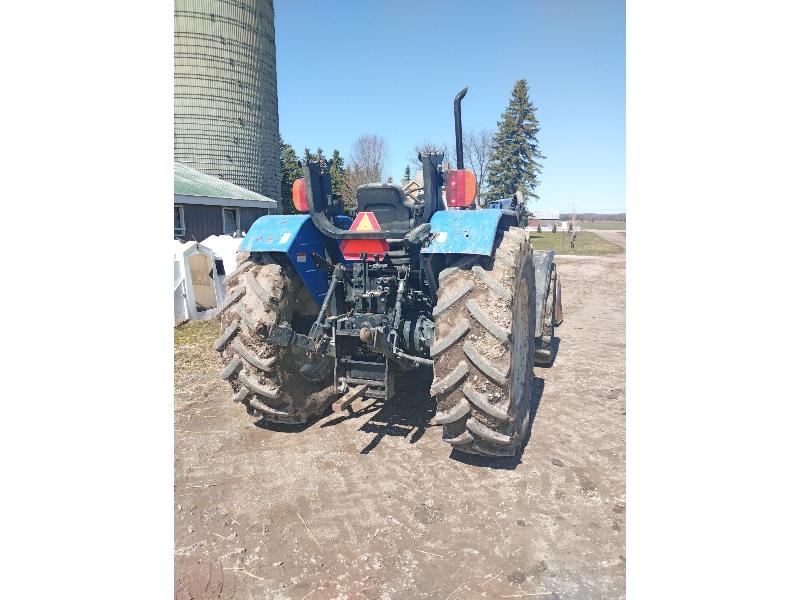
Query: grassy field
586, 243
619, 225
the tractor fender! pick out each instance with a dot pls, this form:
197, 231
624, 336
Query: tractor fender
542, 263
467, 231
297, 238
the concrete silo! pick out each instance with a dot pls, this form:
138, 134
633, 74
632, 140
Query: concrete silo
226, 92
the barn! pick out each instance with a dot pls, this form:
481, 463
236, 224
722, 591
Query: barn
544, 218
206, 205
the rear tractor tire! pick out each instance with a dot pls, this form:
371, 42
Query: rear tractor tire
483, 349
281, 384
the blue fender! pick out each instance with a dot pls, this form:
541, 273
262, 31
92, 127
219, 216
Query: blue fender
464, 231
297, 237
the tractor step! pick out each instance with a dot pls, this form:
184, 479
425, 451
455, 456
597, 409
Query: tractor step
350, 397
376, 373
375, 389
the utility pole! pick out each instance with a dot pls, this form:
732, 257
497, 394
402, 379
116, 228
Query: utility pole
574, 231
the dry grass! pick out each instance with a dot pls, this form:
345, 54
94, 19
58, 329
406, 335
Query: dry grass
196, 363
586, 243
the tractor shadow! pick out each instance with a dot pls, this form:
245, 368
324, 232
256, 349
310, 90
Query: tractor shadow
400, 418
407, 415
262, 423
506, 462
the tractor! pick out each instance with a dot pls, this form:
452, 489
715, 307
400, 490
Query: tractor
324, 308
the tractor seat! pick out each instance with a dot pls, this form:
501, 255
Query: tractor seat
388, 202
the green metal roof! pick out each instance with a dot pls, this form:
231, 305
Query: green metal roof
190, 182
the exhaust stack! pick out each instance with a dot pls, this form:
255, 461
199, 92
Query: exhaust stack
459, 142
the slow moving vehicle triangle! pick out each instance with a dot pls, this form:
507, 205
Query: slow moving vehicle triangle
352, 249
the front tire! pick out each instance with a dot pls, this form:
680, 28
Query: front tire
545, 352
483, 348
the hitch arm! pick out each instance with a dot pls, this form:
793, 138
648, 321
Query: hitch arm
317, 331
394, 334
321, 263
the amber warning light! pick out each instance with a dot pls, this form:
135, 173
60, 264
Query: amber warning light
299, 196
352, 249
461, 188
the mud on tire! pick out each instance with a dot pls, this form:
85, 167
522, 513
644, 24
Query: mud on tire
484, 347
277, 383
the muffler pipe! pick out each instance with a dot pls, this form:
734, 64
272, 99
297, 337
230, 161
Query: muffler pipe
459, 142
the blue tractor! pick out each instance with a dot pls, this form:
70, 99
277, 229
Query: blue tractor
323, 308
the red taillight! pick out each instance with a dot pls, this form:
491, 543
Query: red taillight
461, 188
299, 196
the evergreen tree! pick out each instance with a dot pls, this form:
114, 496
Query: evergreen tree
307, 156
350, 181
290, 171
319, 156
407, 174
513, 162
390, 180
337, 173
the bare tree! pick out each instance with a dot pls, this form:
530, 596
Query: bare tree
427, 147
369, 153
366, 165
477, 150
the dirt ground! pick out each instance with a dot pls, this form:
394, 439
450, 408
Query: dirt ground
376, 506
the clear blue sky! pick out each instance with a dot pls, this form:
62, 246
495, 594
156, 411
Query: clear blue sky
393, 68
